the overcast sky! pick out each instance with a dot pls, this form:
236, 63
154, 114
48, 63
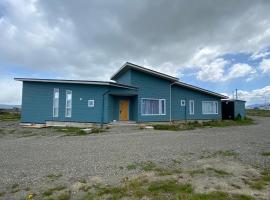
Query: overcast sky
218, 45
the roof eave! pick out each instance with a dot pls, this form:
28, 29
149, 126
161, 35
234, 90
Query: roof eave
140, 68
75, 82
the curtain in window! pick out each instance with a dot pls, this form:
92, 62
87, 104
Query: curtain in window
210, 107
153, 106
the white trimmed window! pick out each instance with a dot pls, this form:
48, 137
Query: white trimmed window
191, 107
68, 103
55, 102
209, 107
91, 103
183, 102
153, 106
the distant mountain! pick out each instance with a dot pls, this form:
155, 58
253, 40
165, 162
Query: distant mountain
5, 106
259, 106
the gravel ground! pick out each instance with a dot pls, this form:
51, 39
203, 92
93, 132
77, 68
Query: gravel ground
28, 160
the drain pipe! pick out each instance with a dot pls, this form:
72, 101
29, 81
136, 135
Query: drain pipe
103, 104
171, 100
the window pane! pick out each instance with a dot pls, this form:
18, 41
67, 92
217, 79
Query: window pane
55, 102
150, 106
162, 106
210, 107
68, 103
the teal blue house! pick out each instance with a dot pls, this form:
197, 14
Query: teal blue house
134, 94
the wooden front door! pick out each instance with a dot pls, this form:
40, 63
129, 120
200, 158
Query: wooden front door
123, 110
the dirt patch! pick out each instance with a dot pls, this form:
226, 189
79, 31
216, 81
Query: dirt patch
216, 174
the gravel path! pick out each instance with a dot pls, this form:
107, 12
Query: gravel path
28, 160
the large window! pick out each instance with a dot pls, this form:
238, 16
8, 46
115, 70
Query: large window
68, 103
55, 102
191, 107
210, 107
153, 107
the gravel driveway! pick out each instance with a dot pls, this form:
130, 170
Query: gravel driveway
28, 160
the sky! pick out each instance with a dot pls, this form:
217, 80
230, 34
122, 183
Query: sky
214, 44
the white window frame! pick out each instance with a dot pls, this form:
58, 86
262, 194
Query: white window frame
191, 102
214, 102
159, 106
183, 102
91, 103
68, 91
56, 102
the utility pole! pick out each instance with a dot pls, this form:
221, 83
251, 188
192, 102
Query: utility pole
236, 95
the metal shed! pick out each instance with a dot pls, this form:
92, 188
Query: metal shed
232, 108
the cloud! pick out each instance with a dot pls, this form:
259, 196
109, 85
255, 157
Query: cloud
265, 66
92, 38
215, 71
240, 70
10, 91
255, 96
260, 54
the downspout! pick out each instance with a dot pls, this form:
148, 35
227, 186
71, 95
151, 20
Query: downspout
171, 100
103, 104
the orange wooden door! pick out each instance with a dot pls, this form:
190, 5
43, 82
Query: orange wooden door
123, 110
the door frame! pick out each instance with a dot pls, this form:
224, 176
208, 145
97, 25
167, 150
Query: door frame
127, 100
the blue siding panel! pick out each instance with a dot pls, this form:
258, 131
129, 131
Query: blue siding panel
182, 112
37, 102
150, 87
124, 78
239, 108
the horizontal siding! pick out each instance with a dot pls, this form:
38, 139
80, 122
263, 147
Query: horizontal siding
124, 78
151, 87
182, 112
37, 102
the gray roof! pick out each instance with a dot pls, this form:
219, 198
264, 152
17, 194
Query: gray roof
129, 65
108, 83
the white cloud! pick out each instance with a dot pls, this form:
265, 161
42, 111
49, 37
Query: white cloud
255, 96
265, 66
215, 71
240, 70
10, 91
260, 54
91, 39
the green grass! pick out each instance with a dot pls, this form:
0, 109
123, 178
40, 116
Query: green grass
265, 153
162, 189
260, 183
53, 177
225, 153
2, 194
64, 196
76, 131
256, 112
196, 124
15, 188
151, 166
50, 191
6, 116
218, 172
132, 166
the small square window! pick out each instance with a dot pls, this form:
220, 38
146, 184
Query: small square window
91, 103
183, 102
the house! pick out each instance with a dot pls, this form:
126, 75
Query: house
135, 94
